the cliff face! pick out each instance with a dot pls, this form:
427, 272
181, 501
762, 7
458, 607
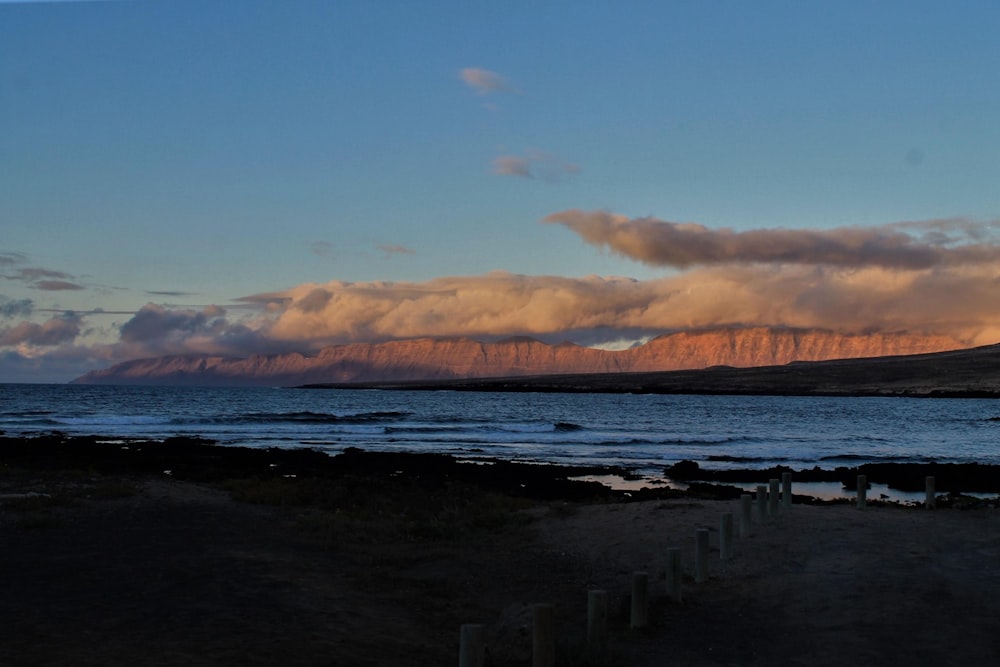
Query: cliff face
435, 359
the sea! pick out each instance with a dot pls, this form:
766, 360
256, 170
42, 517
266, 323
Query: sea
640, 433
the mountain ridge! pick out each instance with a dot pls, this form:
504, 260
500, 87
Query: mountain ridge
964, 373
444, 359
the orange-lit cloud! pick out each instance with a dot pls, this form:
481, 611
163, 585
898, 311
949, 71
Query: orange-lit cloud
484, 82
908, 245
956, 301
937, 278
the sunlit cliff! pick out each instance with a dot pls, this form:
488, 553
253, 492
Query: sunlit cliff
432, 359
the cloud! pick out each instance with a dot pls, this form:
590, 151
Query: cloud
534, 165
56, 285
34, 274
485, 82
934, 277
512, 165
15, 307
953, 300
170, 293
155, 331
393, 249
957, 301
55, 331
683, 245
494, 304
36, 277
156, 323
12, 258
322, 248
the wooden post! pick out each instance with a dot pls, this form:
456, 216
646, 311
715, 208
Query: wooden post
772, 497
786, 490
543, 636
597, 618
726, 536
746, 508
930, 501
862, 492
761, 501
701, 556
640, 600
675, 574
472, 648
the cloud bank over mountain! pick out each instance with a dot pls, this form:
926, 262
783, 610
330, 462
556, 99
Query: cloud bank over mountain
957, 301
921, 278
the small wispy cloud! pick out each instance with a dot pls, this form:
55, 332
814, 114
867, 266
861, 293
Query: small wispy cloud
12, 258
512, 165
534, 164
33, 274
56, 286
88, 313
321, 248
171, 293
48, 280
485, 82
391, 250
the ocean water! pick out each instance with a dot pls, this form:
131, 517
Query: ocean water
643, 433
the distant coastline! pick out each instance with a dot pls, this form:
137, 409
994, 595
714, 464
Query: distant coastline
971, 373
448, 360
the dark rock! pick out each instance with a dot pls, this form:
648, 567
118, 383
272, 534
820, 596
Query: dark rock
685, 470
709, 491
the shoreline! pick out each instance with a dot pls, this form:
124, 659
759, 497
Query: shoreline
968, 373
202, 460
554, 384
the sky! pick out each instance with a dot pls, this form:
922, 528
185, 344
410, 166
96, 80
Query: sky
236, 177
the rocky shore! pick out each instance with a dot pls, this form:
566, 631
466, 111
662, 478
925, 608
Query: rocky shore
201, 460
950, 478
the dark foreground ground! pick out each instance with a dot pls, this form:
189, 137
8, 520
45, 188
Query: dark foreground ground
182, 553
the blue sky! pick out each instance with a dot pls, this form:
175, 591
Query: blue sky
243, 176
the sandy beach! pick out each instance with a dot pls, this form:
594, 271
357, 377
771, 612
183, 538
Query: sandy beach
105, 565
